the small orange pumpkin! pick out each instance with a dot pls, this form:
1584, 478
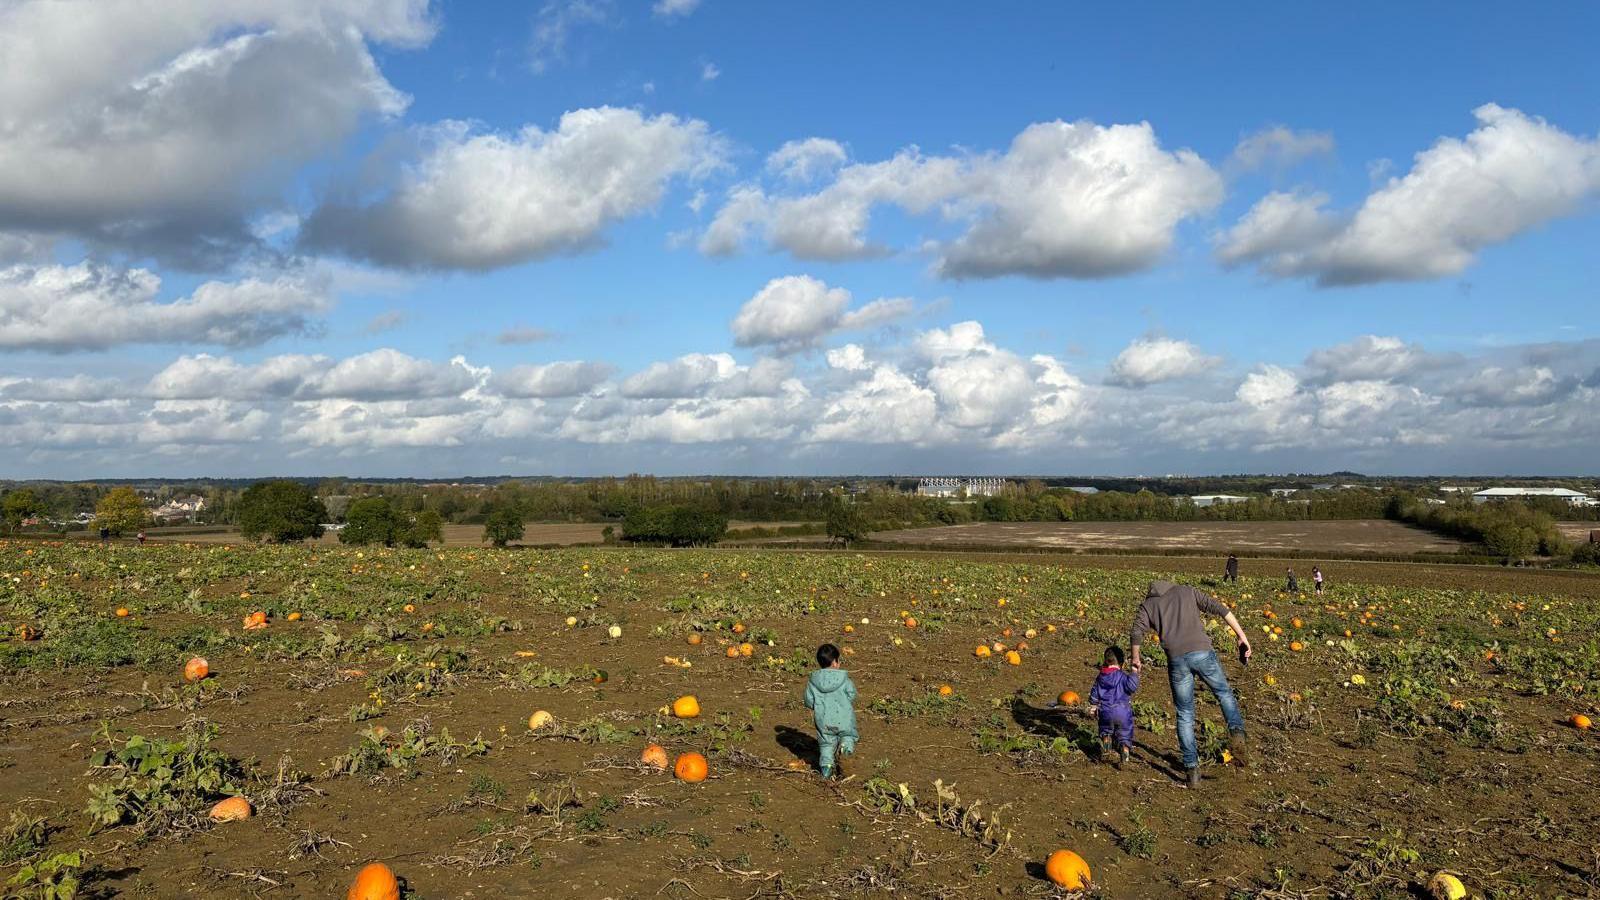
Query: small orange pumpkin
849, 629
946, 690
738, 628
1068, 698
746, 649
686, 707
231, 809
540, 719
122, 612
694, 639
374, 882
293, 617
1013, 657
732, 652
410, 607
981, 652
691, 767
911, 622
196, 669
1066, 869
26, 632
1296, 646
654, 756
1581, 722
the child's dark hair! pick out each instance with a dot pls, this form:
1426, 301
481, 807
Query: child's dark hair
1114, 655
827, 655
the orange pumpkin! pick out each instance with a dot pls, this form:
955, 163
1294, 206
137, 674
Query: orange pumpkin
1296, 646
1005, 632
196, 669
1068, 698
686, 707
410, 607
1296, 622
746, 649
293, 617
738, 628
694, 638
946, 690
981, 652
540, 719
911, 622
691, 767
1066, 869
231, 810
849, 629
27, 632
1013, 657
1581, 722
122, 612
654, 756
732, 652
374, 882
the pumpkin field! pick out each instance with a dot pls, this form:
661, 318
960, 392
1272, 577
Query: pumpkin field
236, 721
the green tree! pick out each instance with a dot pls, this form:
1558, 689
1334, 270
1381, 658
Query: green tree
121, 511
846, 523
371, 520
280, 511
423, 527
678, 526
21, 504
503, 526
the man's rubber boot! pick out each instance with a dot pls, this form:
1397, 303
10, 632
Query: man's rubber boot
1126, 755
1239, 748
1193, 781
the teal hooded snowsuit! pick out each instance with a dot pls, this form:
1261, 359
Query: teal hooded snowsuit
829, 695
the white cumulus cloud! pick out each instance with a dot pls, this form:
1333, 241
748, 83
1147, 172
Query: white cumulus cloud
1510, 175
482, 201
1152, 360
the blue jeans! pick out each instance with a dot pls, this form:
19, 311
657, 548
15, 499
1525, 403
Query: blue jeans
1181, 671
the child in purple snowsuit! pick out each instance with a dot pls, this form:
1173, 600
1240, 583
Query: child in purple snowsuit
1111, 700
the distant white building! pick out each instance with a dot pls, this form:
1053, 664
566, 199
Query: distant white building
958, 487
180, 508
1084, 490
1217, 499
1285, 492
1454, 489
1575, 498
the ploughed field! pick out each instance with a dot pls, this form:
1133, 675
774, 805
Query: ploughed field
1359, 536
382, 714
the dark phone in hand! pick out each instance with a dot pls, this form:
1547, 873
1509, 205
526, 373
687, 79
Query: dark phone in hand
1243, 659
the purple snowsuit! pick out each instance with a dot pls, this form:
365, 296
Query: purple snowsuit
1111, 694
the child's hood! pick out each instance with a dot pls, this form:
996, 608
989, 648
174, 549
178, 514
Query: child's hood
828, 680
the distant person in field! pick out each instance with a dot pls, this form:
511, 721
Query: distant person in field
1316, 579
1293, 585
1230, 572
830, 695
141, 539
105, 535
1177, 614
1111, 702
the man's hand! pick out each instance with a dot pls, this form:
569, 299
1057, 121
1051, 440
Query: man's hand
1137, 663
1244, 647
1094, 710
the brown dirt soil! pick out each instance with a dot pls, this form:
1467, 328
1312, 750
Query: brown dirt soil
1578, 532
1345, 536
1317, 798
535, 534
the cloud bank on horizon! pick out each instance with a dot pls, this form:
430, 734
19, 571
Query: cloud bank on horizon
256, 237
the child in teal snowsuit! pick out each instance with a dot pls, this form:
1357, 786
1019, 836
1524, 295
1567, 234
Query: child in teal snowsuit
829, 695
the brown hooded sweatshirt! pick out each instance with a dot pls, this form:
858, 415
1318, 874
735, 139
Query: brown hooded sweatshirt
1177, 614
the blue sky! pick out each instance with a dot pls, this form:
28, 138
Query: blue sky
1120, 240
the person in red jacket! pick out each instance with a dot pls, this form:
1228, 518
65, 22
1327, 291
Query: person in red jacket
1177, 613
